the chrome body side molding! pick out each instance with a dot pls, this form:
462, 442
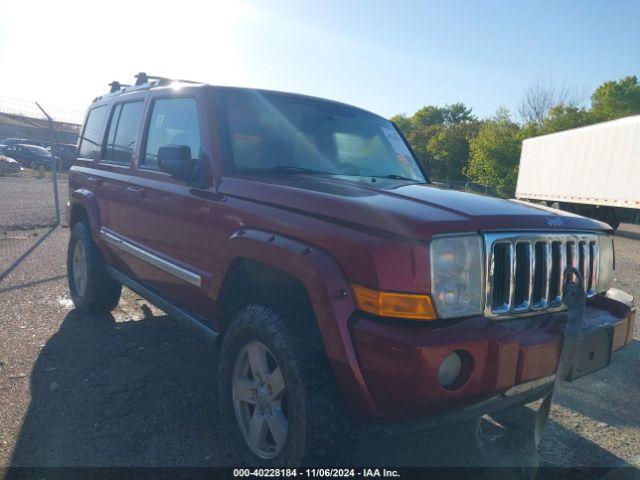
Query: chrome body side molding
150, 258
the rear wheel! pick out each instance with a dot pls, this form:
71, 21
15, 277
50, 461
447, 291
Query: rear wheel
92, 289
279, 402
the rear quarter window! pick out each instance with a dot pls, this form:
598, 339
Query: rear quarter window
91, 140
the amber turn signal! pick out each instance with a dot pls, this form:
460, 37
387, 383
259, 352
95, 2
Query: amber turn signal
391, 304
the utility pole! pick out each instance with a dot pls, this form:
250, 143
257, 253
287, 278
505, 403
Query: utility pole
54, 165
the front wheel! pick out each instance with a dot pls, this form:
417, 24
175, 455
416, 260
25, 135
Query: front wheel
92, 289
278, 399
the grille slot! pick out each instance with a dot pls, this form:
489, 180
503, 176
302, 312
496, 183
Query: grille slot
501, 273
540, 297
593, 266
526, 271
558, 259
522, 280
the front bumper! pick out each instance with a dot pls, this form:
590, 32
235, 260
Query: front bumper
400, 362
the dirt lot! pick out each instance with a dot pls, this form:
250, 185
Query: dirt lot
137, 389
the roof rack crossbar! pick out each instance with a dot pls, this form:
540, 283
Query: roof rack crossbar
142, 78
116, 86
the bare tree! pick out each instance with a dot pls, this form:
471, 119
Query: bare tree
542, 95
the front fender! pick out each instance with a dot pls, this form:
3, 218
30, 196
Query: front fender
328, 291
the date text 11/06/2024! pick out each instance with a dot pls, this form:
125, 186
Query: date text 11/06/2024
316, 472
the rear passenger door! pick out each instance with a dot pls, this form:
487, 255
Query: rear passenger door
167, 218
117, 155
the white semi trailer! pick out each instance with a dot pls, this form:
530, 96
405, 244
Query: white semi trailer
592, 171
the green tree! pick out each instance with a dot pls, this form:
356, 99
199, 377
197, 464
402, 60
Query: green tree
563, 117
447, 115
495, 154
436, 147
419, 139
615, 99
458, 113
448, 150
428, 116
403, 123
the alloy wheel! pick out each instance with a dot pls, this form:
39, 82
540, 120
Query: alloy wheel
260, 400
80, 268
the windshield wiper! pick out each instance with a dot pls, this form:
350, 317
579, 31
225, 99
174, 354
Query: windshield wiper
398, 177
288, 169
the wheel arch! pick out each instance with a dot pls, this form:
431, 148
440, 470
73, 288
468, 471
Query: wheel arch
248, 280
297, 265
84, 206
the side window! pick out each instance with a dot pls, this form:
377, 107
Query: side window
174, 121
123, 133
91, 140
112, 132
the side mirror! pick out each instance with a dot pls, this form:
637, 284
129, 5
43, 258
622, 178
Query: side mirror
176, 161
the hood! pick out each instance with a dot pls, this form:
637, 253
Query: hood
415, 211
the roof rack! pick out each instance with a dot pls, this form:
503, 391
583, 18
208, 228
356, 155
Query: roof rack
142, 81
117, 86
142, 78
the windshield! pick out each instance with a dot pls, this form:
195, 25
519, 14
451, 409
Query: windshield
285, 133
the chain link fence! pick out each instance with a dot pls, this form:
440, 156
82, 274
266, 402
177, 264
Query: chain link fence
36, 150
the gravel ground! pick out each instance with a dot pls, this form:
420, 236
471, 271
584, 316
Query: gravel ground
137, 388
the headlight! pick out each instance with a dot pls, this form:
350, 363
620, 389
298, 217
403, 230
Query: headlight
457, 275
605, 263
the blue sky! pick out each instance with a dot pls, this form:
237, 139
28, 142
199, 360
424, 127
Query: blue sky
389, 57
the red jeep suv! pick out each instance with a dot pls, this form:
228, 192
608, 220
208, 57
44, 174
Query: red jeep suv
342, 286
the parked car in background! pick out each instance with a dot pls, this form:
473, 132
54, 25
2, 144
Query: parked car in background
340, 283
31, 156
8, 165
15, 141
66, 152
23, 141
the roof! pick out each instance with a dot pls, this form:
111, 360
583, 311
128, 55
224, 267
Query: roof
118, 89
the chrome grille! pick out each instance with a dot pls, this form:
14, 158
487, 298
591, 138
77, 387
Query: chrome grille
525, 271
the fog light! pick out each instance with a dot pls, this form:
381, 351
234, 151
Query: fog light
449, 371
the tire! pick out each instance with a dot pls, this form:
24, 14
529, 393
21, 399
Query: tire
93, 290
317, 431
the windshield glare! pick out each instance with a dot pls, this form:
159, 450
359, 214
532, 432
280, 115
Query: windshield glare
271, 131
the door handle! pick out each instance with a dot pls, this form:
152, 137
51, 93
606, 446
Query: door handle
96, 180
136, 192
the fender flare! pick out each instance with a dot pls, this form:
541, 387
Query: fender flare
328, 291
88, 200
